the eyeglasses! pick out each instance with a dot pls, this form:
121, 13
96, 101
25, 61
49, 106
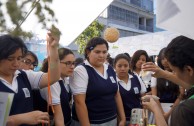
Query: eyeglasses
68, 63
29, 62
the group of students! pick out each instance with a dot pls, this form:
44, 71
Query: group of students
102, 95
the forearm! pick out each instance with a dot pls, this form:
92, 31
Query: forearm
171, 77
53, 69
82, 114
160, 121
58, 115
54, 65
120, 108
16, 120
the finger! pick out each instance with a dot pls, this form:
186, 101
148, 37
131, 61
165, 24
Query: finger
43, 121
146, 97
148, 63
145, 105
45, 117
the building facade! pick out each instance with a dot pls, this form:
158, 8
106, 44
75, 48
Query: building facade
130, 17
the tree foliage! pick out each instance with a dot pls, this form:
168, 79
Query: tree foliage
18, 11
94, 30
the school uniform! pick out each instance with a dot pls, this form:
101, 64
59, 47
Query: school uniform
100, 93
60, 95
145, 80
131, 94
21, 86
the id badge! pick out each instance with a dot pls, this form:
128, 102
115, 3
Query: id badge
112, 79
136, 90
26, 92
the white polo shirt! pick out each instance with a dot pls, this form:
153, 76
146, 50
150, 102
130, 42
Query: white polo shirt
33, 77
79, 80
55, 91
128, 85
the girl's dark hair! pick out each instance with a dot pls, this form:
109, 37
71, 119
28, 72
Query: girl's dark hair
161, 56
44, 67
110, 60
136, 57
62, 53
78, 61
121, 56
33, 55
93, 43
9, 44
171, 91
180, 52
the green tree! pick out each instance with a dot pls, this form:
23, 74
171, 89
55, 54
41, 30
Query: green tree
93, 30
18, 11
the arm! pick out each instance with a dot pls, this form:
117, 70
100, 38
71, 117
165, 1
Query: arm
54, 61
120, 109
159, 73
56, 102
154, 92
153, 106
153, 86
81, 109
78, 84
58, 115
31, 118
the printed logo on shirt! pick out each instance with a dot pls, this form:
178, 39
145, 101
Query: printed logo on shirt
112, 79
26, 92
136, 90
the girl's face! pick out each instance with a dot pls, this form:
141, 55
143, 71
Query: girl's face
11, 64
187, 74
165, 64
27, 63
122, 67
98, 55
67, 65
142, 60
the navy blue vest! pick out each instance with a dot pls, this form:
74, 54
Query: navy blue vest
21, 104
65, 99
100, 97
130, 98
167, 93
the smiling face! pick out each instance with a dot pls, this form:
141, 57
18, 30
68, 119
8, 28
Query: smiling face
122, 68
98, 55
67, 65
141, 60
165, 64
11, 64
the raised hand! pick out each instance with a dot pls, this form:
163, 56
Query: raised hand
53, 37
150, 104
157, 71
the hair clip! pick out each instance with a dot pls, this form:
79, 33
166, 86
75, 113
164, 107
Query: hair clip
91, 48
